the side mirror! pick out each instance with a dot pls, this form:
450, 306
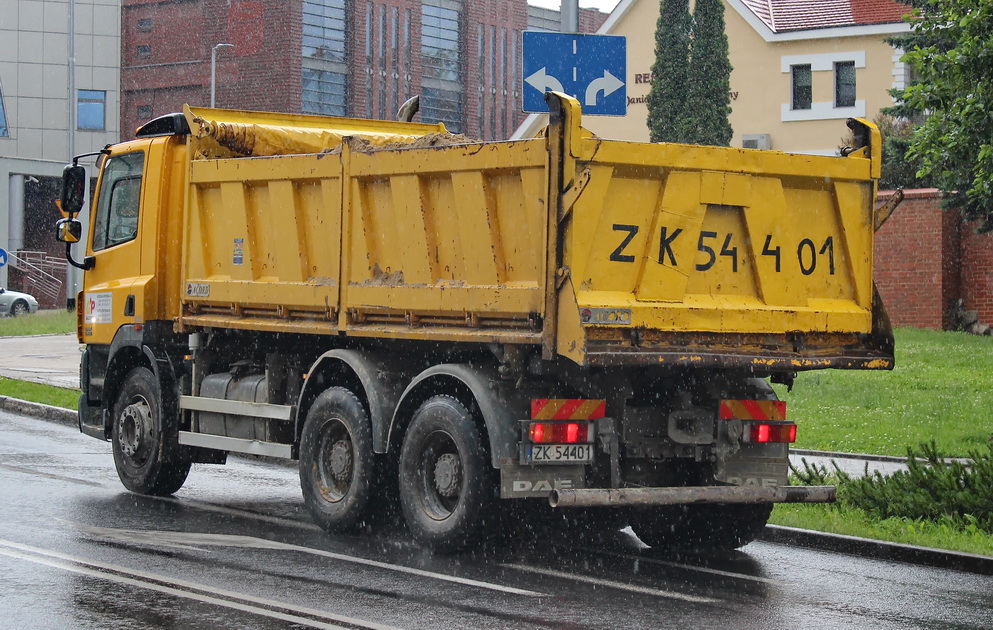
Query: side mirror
73, 190
68, 230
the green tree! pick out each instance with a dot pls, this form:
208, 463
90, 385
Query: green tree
952, 60
667, 94
708, 105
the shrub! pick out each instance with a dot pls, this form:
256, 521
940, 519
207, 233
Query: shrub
954, 492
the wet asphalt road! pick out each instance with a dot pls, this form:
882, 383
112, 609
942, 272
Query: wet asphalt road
235, 549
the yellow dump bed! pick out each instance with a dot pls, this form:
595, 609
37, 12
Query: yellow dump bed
605, 252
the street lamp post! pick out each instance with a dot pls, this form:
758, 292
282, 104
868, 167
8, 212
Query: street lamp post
213, 69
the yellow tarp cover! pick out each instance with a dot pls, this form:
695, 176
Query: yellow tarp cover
260, 134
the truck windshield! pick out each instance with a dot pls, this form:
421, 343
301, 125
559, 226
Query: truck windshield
116, 217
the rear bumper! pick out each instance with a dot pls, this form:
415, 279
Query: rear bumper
617, 497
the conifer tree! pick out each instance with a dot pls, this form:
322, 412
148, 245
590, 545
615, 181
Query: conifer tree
668, 92
708, 103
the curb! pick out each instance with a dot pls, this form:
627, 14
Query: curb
838, 543
852, 545
888, 459
39, 410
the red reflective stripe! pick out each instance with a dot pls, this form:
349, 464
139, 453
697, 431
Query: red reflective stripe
752, 410
537, 405
600, 410
568, 407
780, 406
755, 410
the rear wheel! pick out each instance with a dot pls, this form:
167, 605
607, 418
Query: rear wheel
445, 489
147, 453
336, 460
700, 527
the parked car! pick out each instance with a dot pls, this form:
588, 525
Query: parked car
15, 303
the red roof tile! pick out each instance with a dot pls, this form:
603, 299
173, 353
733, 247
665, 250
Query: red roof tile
878, 12
795, 15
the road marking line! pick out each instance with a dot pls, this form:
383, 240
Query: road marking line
32, 471
614, 584
678, 565
110, 572
220, 509
185, 539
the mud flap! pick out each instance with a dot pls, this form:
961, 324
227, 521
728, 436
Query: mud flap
520, 482
750, 465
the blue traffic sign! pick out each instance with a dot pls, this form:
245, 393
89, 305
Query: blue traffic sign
3, 257
590, 68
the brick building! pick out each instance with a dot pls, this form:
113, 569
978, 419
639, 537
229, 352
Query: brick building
927, 259
334, 57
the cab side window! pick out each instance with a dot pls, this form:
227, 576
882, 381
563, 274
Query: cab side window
118, 202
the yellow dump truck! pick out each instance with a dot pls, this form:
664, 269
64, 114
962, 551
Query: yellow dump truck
470, 326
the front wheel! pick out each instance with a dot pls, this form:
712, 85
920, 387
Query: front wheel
19, 308
336, 460
700, 527
445, 478
146, 446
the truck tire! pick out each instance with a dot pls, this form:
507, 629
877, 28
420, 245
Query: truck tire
336, 460
700, 527
445, 479
147, 453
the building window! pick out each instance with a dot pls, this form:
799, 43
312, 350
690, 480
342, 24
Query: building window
324, 69
844, 84
441, 95
144, 112
91, 110
143, 52
801, 87
3, 117
145, 25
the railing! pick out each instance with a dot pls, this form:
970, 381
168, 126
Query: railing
44, 275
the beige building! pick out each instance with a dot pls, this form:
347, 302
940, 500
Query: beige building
801, 68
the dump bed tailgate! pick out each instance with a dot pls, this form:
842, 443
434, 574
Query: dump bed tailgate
706, 252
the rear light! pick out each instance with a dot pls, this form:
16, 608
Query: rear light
559, 432
772, 433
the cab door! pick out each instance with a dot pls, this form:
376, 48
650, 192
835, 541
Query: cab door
115, 244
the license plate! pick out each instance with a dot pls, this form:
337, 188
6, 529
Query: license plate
560, 453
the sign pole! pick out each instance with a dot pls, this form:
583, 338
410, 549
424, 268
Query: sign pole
569, 16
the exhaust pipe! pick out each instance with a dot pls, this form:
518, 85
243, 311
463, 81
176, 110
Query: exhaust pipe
610, 497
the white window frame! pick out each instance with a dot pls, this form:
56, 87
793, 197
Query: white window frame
820, 63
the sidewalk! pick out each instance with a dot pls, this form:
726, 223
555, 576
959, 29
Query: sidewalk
45, 359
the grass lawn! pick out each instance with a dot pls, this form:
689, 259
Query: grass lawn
47, 394
940, 390
838, 519
52, 322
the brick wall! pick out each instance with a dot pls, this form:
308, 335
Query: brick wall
165, 62
492, 44
909, 254
926, 259
977, 273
